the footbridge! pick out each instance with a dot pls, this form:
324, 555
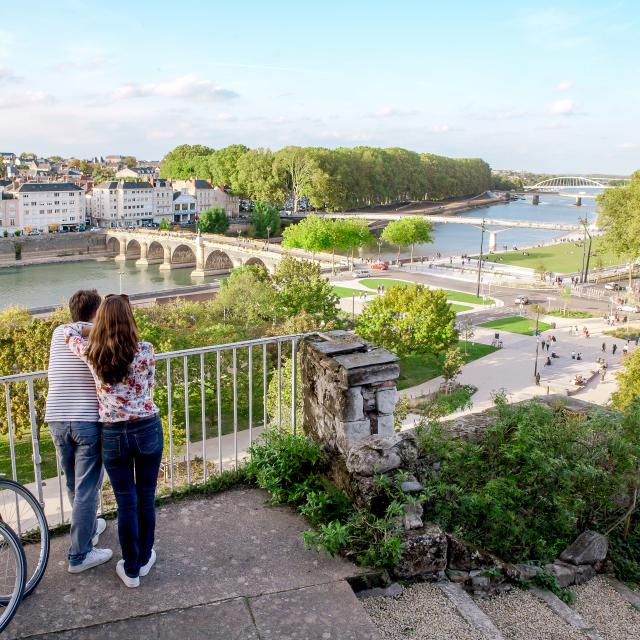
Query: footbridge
206, 254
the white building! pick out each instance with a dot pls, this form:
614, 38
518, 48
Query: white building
9, 212
162, 201
41, 205
184, 207
208, 196
137, 173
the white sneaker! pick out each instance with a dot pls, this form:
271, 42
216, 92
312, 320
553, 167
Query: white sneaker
92, 559
144, 569
129, 582
101, 525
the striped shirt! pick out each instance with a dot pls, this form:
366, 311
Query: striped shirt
72, 390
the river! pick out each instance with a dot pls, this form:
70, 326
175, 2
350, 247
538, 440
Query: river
50, 284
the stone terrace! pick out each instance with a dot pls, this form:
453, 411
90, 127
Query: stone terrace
229, 567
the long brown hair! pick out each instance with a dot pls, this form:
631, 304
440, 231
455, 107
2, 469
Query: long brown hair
113, 340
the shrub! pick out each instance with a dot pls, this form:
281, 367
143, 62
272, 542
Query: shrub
538, 478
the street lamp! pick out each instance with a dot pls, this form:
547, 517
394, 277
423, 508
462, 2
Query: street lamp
480, 258
535, 368
379, 248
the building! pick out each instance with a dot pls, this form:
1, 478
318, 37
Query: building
9, 214
137, 173
162, 201
7, 157
51, 205
113, 160
184, 207
208, 196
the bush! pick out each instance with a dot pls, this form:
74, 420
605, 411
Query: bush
537, 479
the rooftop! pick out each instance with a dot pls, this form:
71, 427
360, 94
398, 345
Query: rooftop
48, 186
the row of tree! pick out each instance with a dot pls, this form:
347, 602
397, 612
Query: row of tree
331, 179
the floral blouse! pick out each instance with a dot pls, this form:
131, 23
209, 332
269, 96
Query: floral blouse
130, 399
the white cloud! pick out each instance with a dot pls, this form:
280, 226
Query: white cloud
565, 85
6, 75
391, 112
182, 87
441, 128
226, 117
78, 65
628, 145
563, 107
25, 99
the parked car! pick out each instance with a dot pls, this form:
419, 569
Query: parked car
95, 229
35, 232
380, 266
522, 300
613, 286
361, 273
629, 308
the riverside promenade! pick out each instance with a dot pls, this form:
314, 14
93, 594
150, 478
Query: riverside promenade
230, 567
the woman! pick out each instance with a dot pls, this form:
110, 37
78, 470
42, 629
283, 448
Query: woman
124, 373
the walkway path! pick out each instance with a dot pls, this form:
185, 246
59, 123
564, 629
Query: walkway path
229, 567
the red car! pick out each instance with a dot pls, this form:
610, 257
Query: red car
380, 266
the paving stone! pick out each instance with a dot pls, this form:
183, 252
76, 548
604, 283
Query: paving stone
324, 612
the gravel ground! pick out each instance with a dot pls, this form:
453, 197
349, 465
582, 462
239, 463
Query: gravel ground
422, 612
519, 615
609, 613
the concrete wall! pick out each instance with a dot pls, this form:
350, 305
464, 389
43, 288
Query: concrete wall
53, 244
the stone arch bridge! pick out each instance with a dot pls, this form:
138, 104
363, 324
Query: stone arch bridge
180, 251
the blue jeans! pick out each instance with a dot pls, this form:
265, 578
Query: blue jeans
132, 452
78, 446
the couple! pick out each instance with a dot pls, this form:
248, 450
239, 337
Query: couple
100, 410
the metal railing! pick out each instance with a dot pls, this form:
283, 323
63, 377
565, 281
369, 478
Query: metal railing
232, 390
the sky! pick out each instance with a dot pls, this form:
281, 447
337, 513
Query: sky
525, 85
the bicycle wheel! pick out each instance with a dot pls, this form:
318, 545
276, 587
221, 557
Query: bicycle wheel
13, 574
20, 510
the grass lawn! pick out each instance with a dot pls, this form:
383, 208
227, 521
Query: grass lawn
624, 331
347, 292
460, 307
461, 296
418, 368
24, 461
374, 283
456, 296
516, 324
565, 257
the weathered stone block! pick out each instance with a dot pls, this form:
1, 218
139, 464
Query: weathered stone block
565, 573
412, 518
354, 409
386, 400
386, 426
372, 358
457, 576
588, 548
584, 573
370, 375
380, 454
350, 434
423, 551
411, 486
464, 556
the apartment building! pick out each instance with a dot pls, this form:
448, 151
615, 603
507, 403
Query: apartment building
9, 213
46, 205
162, 200
208, 196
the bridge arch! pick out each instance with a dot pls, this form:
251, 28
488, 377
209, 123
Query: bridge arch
155, 251
113, 245
183, 255
218, 261
256, 261
567, 182
133, 249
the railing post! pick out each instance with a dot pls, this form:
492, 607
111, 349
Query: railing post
294, 385
35, 443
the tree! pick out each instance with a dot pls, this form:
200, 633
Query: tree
628, 382
298, 167
265, 220
565, 294
619, 218
409, 319
3, 169
466, 330
451, 367
353, 234
312, 234
85, 167
301, 288
164, 225
130, 162
213, 220
407, 231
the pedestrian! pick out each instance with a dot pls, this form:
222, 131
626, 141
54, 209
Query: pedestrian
72, 415
637, 339
628, 339
538, 379
548, 345
603, 372
604, 347
124, 373
614, 348
625, 351
573, 355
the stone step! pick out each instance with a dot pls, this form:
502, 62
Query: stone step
606, 610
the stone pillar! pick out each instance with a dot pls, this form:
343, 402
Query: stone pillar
122, 256
493, 240
349, 390
535, 199
199, 271
143, 260
166, 263
578, 201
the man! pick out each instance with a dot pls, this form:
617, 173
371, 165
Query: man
72, 414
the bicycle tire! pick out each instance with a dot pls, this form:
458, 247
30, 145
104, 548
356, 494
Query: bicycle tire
8, 537
33, 577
